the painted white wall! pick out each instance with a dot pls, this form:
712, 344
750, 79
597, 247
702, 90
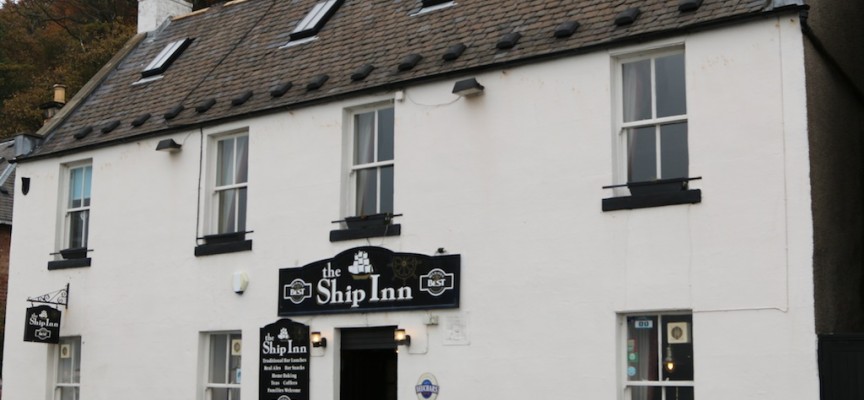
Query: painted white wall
511, 181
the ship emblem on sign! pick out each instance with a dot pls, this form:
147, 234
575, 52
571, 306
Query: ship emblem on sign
436, 282
297, 291
427, 387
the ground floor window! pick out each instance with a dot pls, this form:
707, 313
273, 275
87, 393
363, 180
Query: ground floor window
659, 357
368, 364
223, 366
68, 361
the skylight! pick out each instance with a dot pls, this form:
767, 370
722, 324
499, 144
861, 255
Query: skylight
315, 20
166, 57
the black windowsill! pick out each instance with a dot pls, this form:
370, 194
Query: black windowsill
367, 226
70, 263
658, 199
223, 243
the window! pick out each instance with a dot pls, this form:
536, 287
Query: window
68, 369
166, 57
372, 167
659, 357
77, 209
223, 378
653, 129
229, 191
315, 20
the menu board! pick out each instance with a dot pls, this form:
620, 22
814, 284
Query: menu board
284, 373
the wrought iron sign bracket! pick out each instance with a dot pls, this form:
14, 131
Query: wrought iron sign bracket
57, 297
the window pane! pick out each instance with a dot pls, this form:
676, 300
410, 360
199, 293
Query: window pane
364, 143
220, 394
385, 134
242, 159
637, 90
227, 207
367, 191
679, 393
233, 363
386, 189
69, 393
673, 150
671, 93
218, 359
235, 394
241, 210
645, 393
78, 222
681, 353
641, 154
642, 362
225, 162
88, 173
76, 187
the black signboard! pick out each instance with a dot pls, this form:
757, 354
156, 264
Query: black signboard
365, 279
284, 372
42, 325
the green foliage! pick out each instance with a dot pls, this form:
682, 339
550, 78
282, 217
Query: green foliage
44, 42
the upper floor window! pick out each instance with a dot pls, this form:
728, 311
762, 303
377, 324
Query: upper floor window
659, 357
231, 184
652, 155
653, 125
67, 385
77, 206
373, 161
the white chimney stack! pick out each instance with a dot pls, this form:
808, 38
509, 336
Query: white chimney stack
152, 13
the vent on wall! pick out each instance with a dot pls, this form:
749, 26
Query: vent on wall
166, 57
315, 20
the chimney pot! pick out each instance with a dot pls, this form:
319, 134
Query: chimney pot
60, 94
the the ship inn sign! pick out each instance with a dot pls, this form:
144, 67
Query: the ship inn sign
367, 279
42, 325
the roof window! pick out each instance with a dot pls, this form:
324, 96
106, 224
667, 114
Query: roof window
432, 5
315, 20
166, 57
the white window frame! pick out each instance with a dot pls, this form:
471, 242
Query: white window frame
59, 352
353, 169
214, 189
620, 134
626, 385
206, 363
66, 209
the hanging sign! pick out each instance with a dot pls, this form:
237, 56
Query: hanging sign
284, 366
42, 325
365, 279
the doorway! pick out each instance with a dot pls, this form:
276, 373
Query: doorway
368, 364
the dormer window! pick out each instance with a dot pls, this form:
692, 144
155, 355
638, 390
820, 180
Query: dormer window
167, 56
315, 20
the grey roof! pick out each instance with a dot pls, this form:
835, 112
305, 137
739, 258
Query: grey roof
240, 47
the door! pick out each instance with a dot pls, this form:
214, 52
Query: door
368, 364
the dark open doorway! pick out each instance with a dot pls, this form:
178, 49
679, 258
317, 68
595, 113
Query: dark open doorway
368, 367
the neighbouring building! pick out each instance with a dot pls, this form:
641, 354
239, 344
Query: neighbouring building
369, 199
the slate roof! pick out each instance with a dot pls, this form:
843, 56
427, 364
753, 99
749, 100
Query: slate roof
240, 46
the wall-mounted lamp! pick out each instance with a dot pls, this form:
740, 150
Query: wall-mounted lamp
402, 338
669, 362
168, 145
467, 87
317, 340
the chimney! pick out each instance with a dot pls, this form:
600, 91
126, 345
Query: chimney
152, 13
52, 107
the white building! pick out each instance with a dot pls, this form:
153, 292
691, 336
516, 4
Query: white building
277, 118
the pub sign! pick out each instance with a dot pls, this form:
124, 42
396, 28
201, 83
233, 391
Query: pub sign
42, 325
284, 366
366, 279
